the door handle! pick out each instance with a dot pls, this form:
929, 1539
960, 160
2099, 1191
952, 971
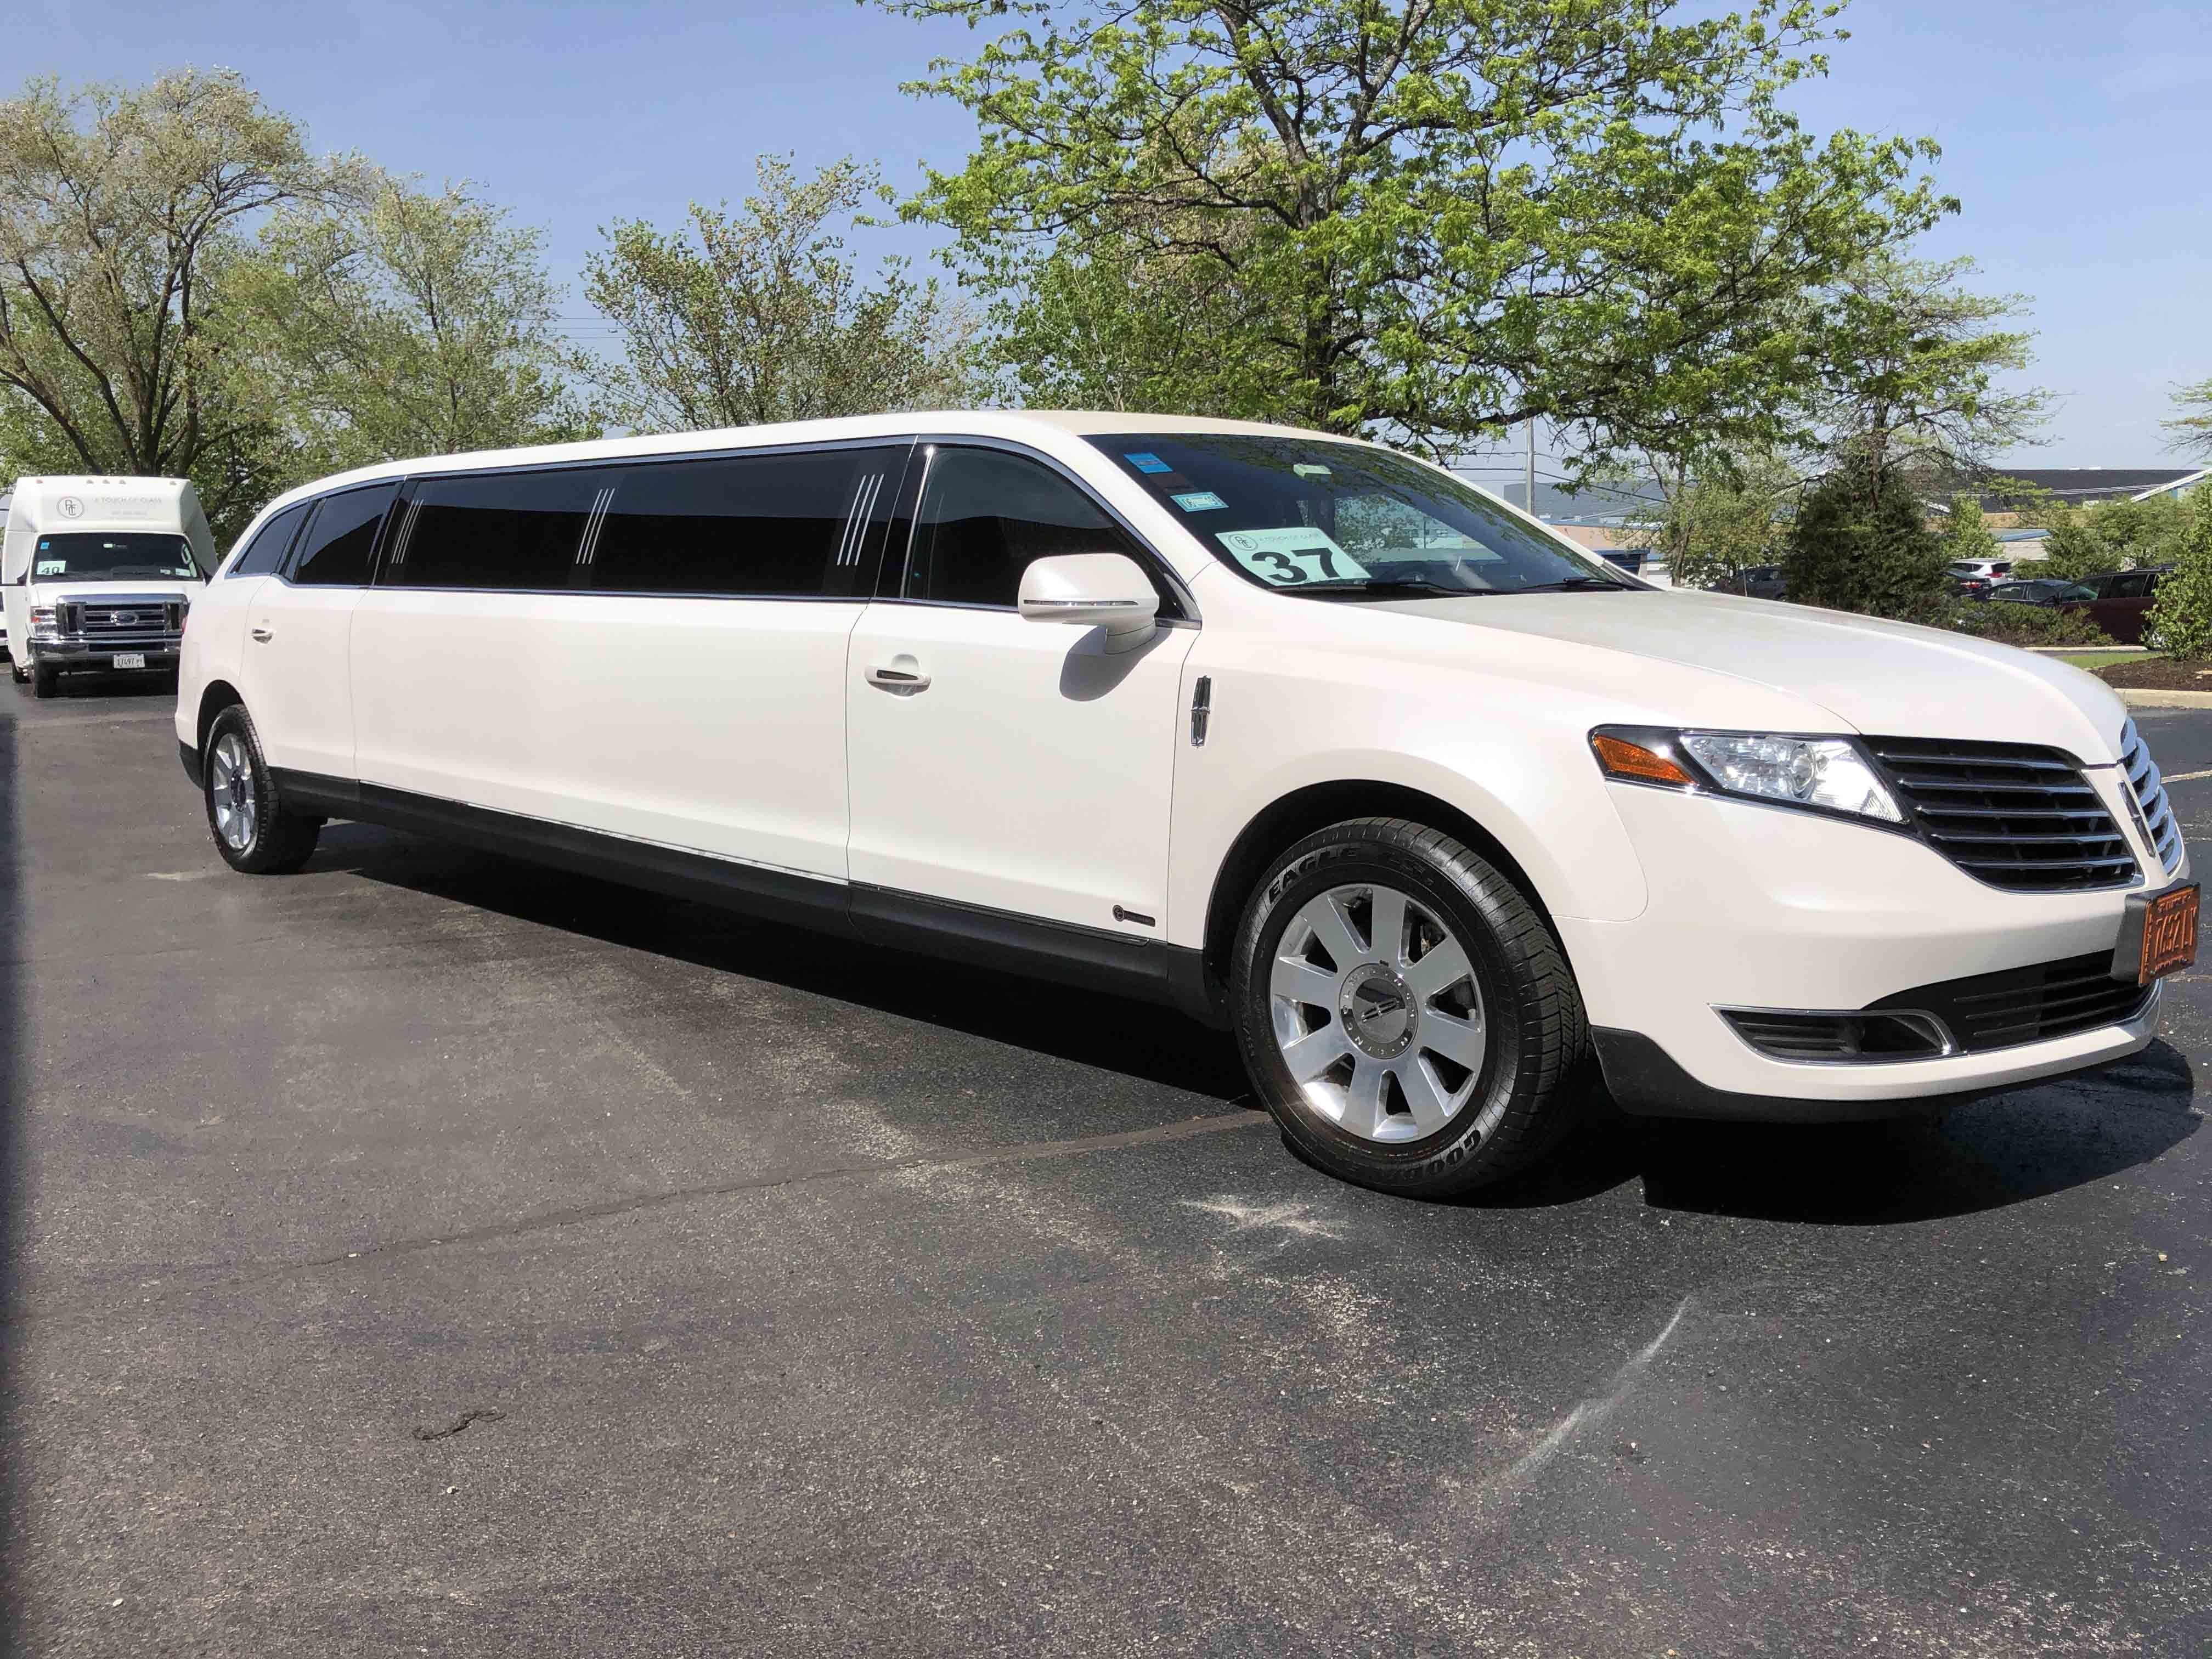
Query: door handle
899, 681
262, 635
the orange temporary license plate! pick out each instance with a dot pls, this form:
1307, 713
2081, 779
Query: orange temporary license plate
2159, 936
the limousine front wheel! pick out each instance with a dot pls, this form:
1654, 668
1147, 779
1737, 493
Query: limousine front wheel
254, 830
1407, 1013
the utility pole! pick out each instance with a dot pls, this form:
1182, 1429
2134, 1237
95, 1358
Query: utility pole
1529, 501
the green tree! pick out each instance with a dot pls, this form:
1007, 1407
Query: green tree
1908, 367
2119, 535
1861, 543
2191, 425
1420, 220
1721, 515
1966, 534
120, 213
765, 317
2181, 614
407, 322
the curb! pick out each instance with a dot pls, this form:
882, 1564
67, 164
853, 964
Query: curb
2136, 698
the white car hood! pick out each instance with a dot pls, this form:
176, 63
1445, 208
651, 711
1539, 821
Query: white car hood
1883, 678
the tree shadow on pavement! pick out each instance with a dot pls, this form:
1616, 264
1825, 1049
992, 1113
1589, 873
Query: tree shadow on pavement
14, 1036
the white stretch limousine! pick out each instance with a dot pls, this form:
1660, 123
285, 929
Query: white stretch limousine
1297, 733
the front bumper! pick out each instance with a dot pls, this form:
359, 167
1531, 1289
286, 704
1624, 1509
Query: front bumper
86, 654
1765, 907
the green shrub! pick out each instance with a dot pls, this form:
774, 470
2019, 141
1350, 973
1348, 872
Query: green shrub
2181, 616
2021, 624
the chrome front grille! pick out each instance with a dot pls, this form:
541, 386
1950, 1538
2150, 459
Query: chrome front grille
124, 621
2014, 815
2159, 824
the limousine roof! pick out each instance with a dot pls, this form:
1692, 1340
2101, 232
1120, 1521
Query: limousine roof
1034, 425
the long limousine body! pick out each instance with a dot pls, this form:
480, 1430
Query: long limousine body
1302, 736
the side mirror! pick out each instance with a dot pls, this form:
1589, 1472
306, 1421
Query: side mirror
1093, 589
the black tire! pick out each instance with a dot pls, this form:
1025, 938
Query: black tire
16, 670
267, 838
1533, 1078
45, 680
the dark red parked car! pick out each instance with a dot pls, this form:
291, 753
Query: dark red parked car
2123, 601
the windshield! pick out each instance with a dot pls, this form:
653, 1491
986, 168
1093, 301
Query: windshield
101, 556
1342, 520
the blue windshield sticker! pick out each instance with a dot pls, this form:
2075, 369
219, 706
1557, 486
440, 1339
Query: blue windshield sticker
1148, 463
1199, 500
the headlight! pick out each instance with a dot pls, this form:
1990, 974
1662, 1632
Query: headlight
1828, 775
42, 620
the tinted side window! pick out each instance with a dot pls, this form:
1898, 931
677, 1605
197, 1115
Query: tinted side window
335, 551
2133, 586
772, 525
514, 530
985, 515
270, 543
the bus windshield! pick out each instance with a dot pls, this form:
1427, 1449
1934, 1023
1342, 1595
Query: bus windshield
104, 555
1344, 521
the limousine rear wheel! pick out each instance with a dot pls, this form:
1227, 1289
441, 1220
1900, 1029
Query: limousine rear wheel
1408, 1015
253, 829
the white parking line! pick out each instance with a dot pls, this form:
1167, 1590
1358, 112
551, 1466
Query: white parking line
2186, 777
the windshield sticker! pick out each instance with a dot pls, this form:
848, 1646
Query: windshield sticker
1310, 470
1148, 463
1284, 558
53, 568
1197, 501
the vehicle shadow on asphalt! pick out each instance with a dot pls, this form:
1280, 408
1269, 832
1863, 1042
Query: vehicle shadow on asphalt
141, 687
1068, 1022
1943, 1162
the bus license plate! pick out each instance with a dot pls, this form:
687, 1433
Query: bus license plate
130, 659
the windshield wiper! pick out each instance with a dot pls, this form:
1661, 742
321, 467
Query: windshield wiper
1574, 585
1380, 586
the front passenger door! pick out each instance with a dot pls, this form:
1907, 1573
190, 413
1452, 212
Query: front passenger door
1018, 766
299, 630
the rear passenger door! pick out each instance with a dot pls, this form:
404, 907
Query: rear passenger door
653, 650
1020, 768
299, 627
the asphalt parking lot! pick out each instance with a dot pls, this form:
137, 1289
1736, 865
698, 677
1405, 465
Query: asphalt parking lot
814, 1302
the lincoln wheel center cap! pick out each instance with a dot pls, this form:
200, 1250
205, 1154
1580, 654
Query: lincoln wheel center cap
1378, 1011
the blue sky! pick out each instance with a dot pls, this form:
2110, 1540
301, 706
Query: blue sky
2076, 136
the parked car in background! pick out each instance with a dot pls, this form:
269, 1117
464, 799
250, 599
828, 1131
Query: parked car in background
2118, 601
1974, 577
1758, 582
2041, 590
1434, 809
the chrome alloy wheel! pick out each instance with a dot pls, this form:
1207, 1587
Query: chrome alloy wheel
230, 787
1376, 1014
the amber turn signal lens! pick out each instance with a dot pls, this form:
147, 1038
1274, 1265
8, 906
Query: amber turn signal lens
1623, 759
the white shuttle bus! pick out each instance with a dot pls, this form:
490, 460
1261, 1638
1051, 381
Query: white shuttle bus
98, 573
1443, 816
